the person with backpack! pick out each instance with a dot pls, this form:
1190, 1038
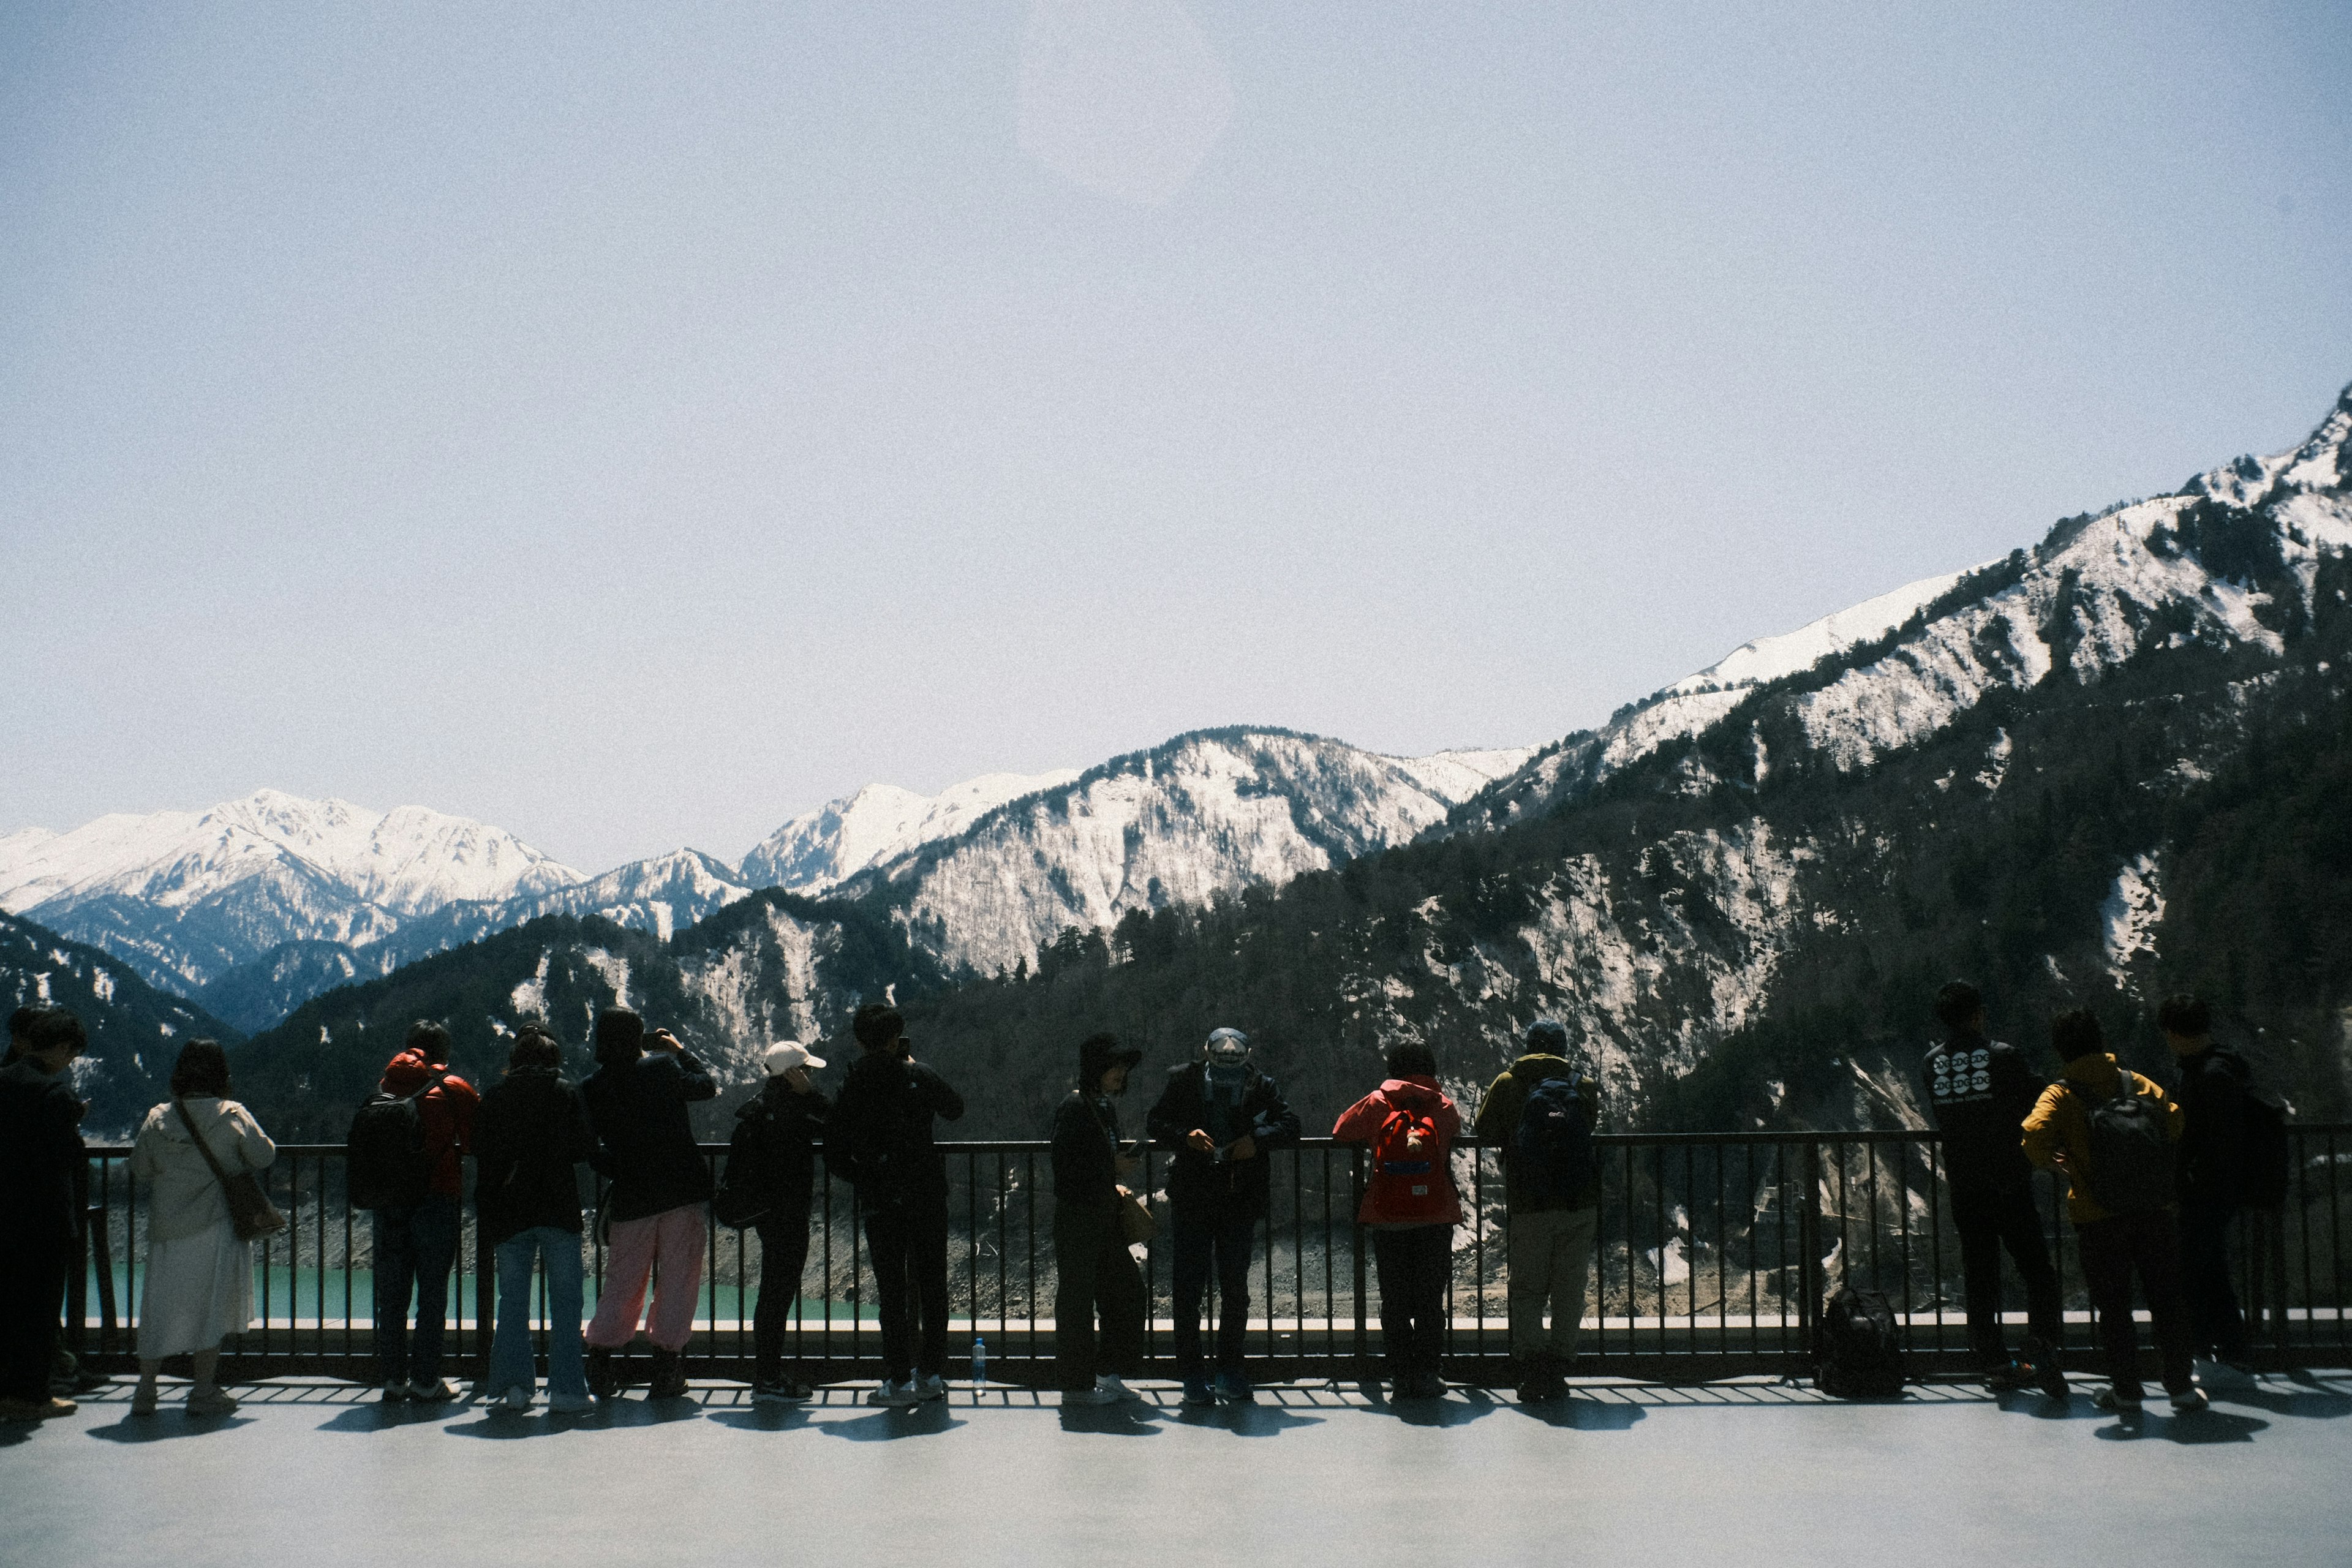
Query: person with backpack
2215, 1094
1219, 1116
1541, 1112
198, 1287
770, 1175
652, 1216
40, 1215
2112, 1132
1093, 1269
1979, 1092
879, 1139
404, 1148
530, 1139
1411, 1207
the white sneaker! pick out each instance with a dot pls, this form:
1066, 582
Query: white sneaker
1111, 1389
516, 1398
1098, 1395
931, 1385
571, 1404
438, 1392
897, 1395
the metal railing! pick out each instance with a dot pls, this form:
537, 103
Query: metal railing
1712, 1254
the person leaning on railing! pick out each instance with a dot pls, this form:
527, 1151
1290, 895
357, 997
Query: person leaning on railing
1553, 1193
530, 1138
771, 1160
199, 1285
1092, 1266
1411, 1207
653, 1214
41, 1150
415, 1235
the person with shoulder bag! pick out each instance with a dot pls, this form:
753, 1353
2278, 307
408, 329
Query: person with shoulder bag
199, 1283
769, 1178
1094, 1271
2112, 1132
1412, 1208
530, 1139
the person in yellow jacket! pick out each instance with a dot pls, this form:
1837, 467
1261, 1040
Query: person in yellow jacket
2123, 1214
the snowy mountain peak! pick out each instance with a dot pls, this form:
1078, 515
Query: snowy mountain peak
825, 847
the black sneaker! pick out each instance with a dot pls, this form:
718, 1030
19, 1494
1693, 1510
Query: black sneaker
602, 1381
2048, 1375
2009, 1376
780, 1390
670, 1377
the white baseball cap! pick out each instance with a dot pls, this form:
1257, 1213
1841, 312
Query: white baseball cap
785, 1055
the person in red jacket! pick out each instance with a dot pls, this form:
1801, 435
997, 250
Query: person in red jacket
416, 1246
1411, 1207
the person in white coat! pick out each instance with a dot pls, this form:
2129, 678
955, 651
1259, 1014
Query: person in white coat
199, 1285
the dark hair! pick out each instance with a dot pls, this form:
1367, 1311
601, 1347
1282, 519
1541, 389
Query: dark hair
202, 1069
534, 1047
50, 1028
20, 1022
429, 1040
1410, 1059
877, 1025
1957, 1003
620, 1037
2076, 1034
2184, 1015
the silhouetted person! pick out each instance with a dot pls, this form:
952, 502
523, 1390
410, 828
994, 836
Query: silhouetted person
773, 1152
416, 1240
1093, 1269
530, 1139
40, 1152
1411, 1207
1541, 1112
2213, 1084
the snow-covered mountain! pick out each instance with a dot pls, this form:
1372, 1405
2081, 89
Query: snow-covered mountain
184, 896
881, 822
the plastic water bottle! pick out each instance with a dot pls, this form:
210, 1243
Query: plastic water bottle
979, 1359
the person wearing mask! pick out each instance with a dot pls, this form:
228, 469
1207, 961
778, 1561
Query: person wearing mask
199, 1281
1093, 1268
1411, 1207
654, 1215
530, 1139
1553, 1211
2214, 1081
772, 1154
1219, 1116
40, 1157
2111, 1132
1979, 1092
416, 1242
879, 1138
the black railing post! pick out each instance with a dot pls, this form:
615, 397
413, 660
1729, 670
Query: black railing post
1808, 1258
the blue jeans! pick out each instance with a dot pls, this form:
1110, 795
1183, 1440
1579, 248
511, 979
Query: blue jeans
510, 1360
415, 1247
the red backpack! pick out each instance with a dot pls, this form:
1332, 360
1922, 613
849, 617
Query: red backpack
1410, 1180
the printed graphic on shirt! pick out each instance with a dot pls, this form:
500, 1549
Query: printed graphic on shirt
1960, 1075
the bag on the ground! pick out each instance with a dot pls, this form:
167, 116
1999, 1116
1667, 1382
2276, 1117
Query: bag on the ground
2265, 1158
2131, 1152
384, 1158
250, 1212
1861, 1348
1137, 1223
1552, 1149
741, 1198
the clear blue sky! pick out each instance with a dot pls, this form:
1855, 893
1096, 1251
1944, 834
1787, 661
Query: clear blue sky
635, 424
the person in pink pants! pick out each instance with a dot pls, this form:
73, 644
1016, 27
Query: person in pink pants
654, 1211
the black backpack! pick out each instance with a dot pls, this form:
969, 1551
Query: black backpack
1552, 1148
2132, 1164
2266, 1159
741, 1200
384, 1161
1861, 1348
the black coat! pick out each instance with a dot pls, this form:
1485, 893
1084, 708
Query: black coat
40, 1154
647, 1145
530, 1136
1979, 1092
776, 1134
2212, 1096
879, 1137
1198, 1179
1086, 1150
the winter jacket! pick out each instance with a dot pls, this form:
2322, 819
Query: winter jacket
1499, 1123
1409, 1195
40, 1152
2212, 1095
184, 1198
1979, 1091
2060, 1126
776, 1134
646, 1143
1198, 1182
530, 1139
448, 1112
1086, 1150
879, 1137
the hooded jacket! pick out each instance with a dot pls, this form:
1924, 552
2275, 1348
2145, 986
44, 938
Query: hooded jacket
184, 1198
879, 1137
1979, 1091
2060, 1126
638, 1109
530, 1139
1203, 1182
1497, 1125
1406, 1198
448, 1112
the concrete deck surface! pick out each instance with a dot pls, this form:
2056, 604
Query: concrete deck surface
1747, 1472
